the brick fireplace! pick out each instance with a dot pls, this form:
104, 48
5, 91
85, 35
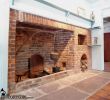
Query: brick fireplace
49, 42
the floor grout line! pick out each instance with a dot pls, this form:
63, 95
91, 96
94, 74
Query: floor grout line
80, 90
104, 77
97, 90
92, 74
72, 83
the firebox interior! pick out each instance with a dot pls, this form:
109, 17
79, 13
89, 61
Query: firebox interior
39, 50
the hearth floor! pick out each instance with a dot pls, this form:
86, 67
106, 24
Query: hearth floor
80, 86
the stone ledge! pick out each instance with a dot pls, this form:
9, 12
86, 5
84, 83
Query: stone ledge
21, 86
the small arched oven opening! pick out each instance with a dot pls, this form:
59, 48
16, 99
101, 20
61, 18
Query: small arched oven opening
84, 63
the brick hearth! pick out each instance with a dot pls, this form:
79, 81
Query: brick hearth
53, 36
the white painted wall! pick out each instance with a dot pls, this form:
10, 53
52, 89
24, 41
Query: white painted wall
107, 27
98, 51
100, 4
72, 5
4, 30
106, 12
101, 9
35, 7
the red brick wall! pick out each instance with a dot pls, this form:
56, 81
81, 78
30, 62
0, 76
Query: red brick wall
65, 43
36, 43
12, 54
79, 50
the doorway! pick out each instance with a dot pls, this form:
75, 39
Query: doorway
107, 44
107, 51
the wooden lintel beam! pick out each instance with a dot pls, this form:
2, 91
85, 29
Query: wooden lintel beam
41, 30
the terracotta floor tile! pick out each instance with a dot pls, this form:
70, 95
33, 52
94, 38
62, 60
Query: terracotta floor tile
103, 94
74, 87
107, 66
48, 88
68, 93
92, 84
97, 98
105, 75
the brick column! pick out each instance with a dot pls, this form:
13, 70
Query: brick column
11, 56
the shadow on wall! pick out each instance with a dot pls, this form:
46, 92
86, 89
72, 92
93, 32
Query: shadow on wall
37, 42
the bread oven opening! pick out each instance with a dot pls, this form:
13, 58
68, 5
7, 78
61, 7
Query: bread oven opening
84, 65
36, 66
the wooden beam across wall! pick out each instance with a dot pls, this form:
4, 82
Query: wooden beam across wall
41, 30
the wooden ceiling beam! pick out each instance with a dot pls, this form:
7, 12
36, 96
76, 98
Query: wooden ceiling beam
41, 30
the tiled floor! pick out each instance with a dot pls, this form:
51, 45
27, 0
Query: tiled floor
103, 94
107, 66
80, 86
92, 84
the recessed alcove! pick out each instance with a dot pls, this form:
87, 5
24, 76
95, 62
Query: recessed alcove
82, 39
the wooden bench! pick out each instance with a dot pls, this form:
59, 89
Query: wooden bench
20, 74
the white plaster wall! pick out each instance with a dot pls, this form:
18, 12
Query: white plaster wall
4, 30
38, 8
107, 27
106, 12
100, 4
98, 51
72, 5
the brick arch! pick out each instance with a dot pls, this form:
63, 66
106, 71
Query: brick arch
84, 57
36, 60
36, 64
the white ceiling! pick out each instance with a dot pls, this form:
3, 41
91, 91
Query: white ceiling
92, 1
